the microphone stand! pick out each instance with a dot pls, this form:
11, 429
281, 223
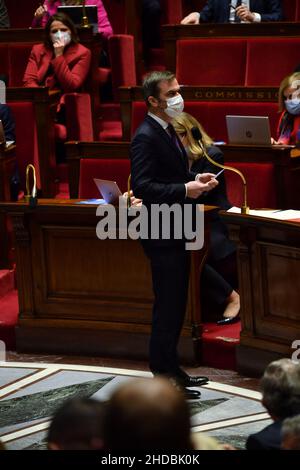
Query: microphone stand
31, 198
198, 137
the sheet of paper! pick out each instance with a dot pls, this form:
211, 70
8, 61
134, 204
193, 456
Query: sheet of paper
272, 214
92, 201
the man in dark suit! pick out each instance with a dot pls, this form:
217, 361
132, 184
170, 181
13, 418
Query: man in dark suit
160, 174
281, 397
225, 11
4, 19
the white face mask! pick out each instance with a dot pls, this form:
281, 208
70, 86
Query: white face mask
175, 106
63, 36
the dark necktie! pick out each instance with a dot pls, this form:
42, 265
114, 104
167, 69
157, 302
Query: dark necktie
173, 136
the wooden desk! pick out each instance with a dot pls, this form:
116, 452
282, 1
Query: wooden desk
80, 295
171, 33
269, 282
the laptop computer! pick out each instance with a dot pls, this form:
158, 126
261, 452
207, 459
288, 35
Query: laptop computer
75, 13
109, 190
249, 130
3, 140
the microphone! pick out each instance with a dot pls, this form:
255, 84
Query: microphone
197, 135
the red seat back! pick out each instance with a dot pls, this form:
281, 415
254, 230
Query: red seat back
289, 9
4, 61
122, 57
211, 62
116, 14
26, 138
269, 60
108, 169
18, 58
260, 178
212, 114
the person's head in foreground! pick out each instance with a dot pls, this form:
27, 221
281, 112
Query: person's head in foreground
291, 433
183, 125
77, 425
147, 414
280, 386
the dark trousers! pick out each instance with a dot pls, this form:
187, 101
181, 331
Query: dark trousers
170, 278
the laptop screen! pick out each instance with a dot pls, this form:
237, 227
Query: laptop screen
248, 130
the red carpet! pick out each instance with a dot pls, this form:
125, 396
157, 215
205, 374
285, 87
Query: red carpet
219, 344
9, 309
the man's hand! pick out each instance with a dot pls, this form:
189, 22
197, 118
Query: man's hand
205, 177
40, 11
194, 189
192, 18
245, 14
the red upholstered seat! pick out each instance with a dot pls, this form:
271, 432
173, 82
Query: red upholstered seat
26, 137
260, 179
139, 111
18, 58
211, 61
269, 60
290, 9
172, 11
4, 61
108, 169
122, 57
79, 117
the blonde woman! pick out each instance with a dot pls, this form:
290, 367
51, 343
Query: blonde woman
288, 132
217, 281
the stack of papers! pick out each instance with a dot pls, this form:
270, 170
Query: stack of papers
289, 214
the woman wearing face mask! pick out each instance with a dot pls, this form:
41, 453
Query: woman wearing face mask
289, 103
219, 273
49, 8
60, 62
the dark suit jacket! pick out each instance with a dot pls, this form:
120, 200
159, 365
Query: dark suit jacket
4, 19
8, 122
217, 11
159, 169
220, 245
68, 72
267, 439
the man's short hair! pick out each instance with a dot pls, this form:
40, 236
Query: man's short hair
152, 81
281, 388
291, 429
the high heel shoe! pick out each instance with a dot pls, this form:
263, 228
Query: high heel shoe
232, 311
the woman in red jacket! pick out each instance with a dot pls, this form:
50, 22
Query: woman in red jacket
60, 62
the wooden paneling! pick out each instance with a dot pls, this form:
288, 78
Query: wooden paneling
74, 288
269, 283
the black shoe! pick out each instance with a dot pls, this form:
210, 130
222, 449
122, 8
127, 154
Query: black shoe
229, 321
186, 380
191, 394
190, 381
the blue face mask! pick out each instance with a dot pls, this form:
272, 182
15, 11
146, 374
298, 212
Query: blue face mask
293, 106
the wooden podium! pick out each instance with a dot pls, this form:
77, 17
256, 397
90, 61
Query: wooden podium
82, 295
269, 280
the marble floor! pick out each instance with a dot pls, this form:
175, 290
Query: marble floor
33, 386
